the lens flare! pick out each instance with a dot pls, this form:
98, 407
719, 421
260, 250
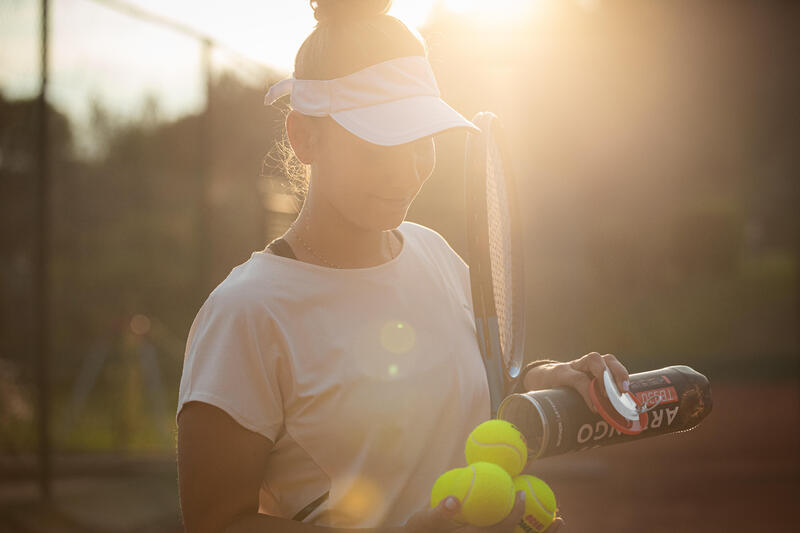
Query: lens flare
362, 497
499, 10
588, 5
398, 337
140, 325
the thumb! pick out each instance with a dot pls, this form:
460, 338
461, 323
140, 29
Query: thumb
440, 518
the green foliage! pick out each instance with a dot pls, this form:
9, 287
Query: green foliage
147, 225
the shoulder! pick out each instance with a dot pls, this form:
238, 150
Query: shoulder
244, 289
237, 313
424, 234
433, 242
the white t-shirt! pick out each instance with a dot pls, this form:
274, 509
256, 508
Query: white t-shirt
367, 380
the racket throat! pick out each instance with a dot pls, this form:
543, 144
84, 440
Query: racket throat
489, 339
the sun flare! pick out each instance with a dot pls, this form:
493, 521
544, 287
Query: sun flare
497, 10
412, 12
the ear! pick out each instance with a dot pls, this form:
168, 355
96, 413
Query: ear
302, 136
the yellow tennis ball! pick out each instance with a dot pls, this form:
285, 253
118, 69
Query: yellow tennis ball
540, 504
485, 490
498, 442
449, 484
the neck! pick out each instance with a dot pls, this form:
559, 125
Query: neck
322, 235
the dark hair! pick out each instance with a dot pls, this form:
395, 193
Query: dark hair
350, 35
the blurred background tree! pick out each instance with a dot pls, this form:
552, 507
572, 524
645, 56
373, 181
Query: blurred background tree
658, 175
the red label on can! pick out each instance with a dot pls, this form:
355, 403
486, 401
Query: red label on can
657, 396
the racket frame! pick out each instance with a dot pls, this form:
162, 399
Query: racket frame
500, 377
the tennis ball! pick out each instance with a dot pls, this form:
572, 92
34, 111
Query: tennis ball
498, 442
485, 490
540, 504
448, 484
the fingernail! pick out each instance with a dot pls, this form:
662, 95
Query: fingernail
450, 503
626, 385
521, 496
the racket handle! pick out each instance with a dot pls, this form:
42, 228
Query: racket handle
494, 374
494, 369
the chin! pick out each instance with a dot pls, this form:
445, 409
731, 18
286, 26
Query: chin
386, 220
396, 220
381, 223
389, 225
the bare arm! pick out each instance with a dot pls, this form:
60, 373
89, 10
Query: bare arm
220, 468
261, 523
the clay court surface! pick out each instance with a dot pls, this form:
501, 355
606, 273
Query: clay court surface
738, 471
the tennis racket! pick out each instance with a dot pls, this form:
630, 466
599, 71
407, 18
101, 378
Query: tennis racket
495, 255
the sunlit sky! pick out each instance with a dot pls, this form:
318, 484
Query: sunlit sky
99, 53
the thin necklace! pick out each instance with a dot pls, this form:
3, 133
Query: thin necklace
322, 259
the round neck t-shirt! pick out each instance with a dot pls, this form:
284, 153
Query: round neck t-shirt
366, 380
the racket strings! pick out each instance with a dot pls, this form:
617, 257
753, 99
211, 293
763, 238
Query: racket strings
500, 248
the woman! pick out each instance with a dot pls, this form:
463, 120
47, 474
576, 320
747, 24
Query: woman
339, 367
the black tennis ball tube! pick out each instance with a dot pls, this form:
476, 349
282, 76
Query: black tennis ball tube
558, 421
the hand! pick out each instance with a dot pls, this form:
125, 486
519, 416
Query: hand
578, 374
440, 519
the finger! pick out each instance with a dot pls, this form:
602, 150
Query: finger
444, 514
580, 363
513, 518
440, 518
591, 363
555, 526
618, 371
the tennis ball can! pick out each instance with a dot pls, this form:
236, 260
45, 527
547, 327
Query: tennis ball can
557, 421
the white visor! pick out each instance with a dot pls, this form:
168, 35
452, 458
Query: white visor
389, 103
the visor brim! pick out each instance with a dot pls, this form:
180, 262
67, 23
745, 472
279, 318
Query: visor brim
402, 121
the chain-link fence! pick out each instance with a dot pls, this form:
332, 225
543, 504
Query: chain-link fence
154, 188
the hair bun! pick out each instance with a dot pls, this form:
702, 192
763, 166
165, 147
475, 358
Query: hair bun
326, 11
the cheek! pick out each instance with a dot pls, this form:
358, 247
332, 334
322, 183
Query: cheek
425, 161
339, 161
346, 179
